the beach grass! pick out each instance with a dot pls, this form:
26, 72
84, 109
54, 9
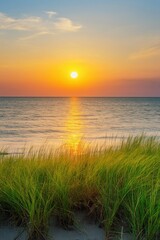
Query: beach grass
118, 185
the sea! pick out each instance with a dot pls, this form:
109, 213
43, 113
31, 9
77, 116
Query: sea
35, 121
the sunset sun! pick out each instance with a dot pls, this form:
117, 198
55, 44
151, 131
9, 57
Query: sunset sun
74, 75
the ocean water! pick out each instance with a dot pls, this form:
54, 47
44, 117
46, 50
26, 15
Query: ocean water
35, 121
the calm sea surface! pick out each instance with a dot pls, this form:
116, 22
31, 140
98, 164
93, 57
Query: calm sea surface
34, 121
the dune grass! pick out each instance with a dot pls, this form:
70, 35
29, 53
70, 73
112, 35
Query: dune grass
3, 153
119, 186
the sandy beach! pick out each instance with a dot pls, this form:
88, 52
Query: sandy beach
85, 229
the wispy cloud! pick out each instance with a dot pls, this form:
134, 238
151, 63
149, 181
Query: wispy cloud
35, 35
38, 25
65, 24
20, 24
148, 52
50, 13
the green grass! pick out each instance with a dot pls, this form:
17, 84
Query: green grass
119, 185
3, 152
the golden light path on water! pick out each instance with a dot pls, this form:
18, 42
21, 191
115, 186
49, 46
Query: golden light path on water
74, 127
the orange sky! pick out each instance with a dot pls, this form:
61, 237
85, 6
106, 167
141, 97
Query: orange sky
115, 53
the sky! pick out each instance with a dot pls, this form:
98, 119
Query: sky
113, 45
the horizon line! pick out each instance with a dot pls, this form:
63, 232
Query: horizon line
79, 96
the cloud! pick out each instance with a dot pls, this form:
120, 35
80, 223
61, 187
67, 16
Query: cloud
32, 36
38, 25
148, 52
19, 24
65, 24
51, 13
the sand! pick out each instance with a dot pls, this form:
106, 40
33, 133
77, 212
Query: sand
85, 229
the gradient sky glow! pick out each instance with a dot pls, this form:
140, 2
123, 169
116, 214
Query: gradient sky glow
114, 45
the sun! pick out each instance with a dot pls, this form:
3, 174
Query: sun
74, 74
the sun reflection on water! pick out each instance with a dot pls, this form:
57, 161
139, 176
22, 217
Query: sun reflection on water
74, 127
